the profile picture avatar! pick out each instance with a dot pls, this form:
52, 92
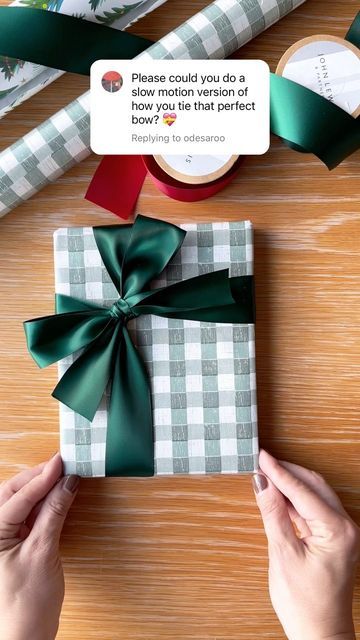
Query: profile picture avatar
112, 81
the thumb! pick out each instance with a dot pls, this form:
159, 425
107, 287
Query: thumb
272, 504
51, 517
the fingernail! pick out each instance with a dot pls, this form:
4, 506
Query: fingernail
262, 450
70, 483
49, 461
268, 453
260, 482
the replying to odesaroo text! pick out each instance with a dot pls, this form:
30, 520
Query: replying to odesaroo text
166, 139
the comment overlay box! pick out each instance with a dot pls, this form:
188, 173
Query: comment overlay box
180, 107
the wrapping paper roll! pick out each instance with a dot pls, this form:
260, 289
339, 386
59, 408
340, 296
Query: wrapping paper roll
19, 80
216, 32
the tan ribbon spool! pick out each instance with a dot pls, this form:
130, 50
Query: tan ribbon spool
312, 63
195, 169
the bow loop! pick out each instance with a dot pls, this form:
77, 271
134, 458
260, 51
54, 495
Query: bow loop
138, 253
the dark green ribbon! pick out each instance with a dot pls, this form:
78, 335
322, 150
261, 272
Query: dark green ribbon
353, 35
306, 121
63, 42
133, 255
71, 44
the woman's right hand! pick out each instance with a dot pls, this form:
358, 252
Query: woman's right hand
313, 551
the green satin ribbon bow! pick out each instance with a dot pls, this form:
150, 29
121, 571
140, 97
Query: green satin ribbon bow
307, 122
133, 255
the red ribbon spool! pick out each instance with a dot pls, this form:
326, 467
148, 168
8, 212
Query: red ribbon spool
118, 180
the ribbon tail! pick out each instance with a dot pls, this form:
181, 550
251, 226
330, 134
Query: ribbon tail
129, 441
83, 385
116, 184
211, 297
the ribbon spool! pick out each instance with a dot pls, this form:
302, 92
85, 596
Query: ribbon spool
329, 66
206, 185
194, 169
118, 181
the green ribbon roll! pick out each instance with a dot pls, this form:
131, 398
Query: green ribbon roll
306, 121
133, 255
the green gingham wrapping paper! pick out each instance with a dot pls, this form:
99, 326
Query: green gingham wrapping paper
44, 154
220, 29
19, 80
202, 375
216, 32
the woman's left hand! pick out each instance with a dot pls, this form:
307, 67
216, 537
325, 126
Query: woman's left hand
33, 508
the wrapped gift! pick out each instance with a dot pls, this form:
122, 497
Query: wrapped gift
201, 373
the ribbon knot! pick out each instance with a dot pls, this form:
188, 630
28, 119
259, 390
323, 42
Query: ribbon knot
121, 310
133, 255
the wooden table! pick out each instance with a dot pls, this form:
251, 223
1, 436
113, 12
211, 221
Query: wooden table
186, 558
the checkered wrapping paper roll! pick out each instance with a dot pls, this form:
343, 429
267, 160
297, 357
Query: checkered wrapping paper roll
44, 154
19, 80
202, 375
216, 32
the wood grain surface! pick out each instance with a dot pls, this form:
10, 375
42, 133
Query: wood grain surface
186, 558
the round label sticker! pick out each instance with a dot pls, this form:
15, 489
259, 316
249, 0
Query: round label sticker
195, 169
328, 66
